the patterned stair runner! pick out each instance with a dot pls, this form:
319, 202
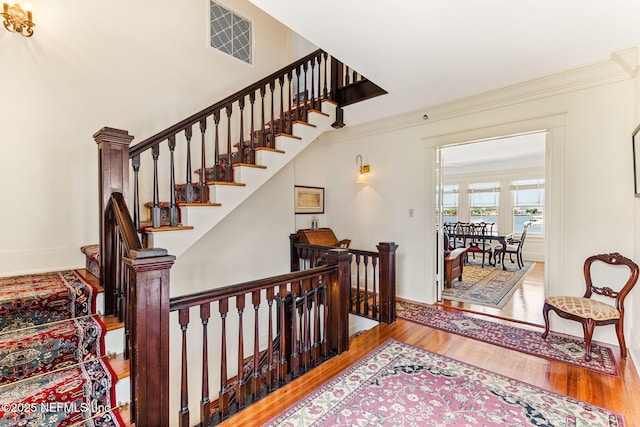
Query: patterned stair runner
52, 366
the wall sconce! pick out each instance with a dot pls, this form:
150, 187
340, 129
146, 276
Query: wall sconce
362, 179
17, 20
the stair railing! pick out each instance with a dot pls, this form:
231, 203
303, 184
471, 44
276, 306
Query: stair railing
140, 280
136, 280
373, 276
299, 320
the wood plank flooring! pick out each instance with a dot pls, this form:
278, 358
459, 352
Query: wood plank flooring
619, 394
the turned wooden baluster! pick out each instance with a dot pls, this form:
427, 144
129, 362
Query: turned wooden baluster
271, 366
155, 210
358, 295
305, 67
252, 138
319, 82
173, 207
256, 383
297, 70
313, 78
241, 386
135, 162
282, 369
290, 108
346, 75
205, 403
203, 163
325, 93
366, 285
242, 155
272, 144
188, 189
306, 325
225, 392
324, 345
315, 346
374, 264
283, 120
263, 134
228, 164
216, 154
295, 346
183, 414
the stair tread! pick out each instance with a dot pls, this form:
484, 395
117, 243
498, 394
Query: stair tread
237, 184
167, 228
120, 366
111, 323
273, 150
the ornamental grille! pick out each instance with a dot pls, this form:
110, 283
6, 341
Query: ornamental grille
230, 33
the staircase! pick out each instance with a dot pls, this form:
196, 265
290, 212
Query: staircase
197, 219
251, 143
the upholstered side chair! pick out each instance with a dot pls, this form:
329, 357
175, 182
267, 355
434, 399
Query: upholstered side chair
591, 312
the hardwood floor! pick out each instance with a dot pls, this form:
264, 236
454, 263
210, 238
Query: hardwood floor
619, 394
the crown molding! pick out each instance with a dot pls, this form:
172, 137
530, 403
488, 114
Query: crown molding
620, 67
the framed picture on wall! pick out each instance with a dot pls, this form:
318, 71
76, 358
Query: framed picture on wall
308, 200
635, 140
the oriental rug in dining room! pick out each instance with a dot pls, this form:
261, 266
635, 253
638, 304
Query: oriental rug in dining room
556, 347
399, 384
488, 286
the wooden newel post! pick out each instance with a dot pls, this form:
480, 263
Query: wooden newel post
338, 306
387, 254
113, 177
148, 307
293, 252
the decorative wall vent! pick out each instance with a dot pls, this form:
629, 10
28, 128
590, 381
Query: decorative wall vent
231, 33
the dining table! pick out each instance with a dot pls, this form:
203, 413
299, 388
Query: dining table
465, 237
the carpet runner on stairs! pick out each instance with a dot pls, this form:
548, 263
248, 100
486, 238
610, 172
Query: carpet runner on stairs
53, 370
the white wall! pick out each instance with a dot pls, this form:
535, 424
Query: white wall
139, 66
588, 114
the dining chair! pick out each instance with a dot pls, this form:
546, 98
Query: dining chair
514, 247
479, 242
591, 312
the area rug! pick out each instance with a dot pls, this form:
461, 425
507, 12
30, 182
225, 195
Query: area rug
557, 347
487, 286
399, 384
36, 299
44, 348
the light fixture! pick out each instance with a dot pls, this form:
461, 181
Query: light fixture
17, 20
362, 179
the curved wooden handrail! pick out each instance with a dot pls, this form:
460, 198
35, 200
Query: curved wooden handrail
125, 223
195, 118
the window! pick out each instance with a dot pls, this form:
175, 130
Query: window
450, 203
230, 33
484, 200
528, 204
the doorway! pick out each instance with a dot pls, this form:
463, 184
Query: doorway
500, 181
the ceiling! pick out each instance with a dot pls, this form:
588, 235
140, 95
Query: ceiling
428, 52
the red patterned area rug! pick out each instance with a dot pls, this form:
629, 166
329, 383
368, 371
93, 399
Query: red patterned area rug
36, 299
398, 384
557, 347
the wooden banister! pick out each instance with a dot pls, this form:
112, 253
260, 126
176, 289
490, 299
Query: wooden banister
373, 294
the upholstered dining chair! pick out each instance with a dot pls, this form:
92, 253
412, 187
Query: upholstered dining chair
591, 312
